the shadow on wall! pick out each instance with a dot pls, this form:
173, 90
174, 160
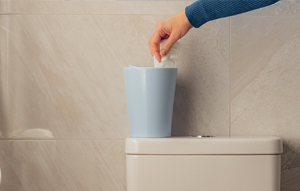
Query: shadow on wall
201, 98
186, 94
290, 166
182, 108
3, 127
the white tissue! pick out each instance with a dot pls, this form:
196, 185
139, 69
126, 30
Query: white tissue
169, 60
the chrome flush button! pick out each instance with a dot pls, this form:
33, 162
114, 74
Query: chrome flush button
202, 136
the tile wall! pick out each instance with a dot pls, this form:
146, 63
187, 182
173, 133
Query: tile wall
63, 115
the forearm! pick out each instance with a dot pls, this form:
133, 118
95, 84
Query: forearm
202, 11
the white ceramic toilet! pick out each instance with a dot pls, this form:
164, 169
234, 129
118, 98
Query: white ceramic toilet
203, 164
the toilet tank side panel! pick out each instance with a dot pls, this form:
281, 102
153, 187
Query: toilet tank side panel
277, 172
132, 172
203, 172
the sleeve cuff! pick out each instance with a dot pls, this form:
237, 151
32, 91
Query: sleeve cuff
196, 14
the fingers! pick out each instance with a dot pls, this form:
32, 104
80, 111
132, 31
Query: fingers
171, 29
168, 44
154, 45
157, 56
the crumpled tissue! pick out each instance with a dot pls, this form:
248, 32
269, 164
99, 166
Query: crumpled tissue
169, 60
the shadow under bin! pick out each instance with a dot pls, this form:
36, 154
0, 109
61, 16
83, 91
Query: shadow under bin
150, 98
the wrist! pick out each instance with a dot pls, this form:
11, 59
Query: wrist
186, 21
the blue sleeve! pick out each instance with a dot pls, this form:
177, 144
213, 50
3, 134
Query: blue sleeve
202, 11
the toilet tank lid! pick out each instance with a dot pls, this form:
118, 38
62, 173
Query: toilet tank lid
204, 146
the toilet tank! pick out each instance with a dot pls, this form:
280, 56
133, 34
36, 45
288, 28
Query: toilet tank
203, 164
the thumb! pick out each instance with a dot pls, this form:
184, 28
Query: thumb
168, 45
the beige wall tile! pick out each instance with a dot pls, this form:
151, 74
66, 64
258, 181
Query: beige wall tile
3, 70
281, 8
202, 92
3, 40
249, 56
3, 47
66, 76
290, 160
265, 52
63, 165
97, 7
3, 7
284, 7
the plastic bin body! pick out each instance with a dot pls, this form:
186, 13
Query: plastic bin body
150, 97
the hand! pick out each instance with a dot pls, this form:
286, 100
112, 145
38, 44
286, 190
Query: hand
171, 29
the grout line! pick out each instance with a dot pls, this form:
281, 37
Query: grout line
222, 154
149, 14
54, 14
7, 66
8, 139
229, 101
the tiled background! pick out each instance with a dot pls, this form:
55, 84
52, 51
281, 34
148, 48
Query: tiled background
63, 115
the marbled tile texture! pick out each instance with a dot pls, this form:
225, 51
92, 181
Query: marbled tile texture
3, 70
63, 165
63, 115
265, 91
202, 91
66, 75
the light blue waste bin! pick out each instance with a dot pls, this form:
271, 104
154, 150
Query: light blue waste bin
150, 97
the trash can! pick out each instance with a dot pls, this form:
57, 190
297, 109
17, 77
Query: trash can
150, 97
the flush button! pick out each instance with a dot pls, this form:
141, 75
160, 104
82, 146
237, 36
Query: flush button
202, 136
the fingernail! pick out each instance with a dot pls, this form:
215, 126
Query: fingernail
157, 59
163, 52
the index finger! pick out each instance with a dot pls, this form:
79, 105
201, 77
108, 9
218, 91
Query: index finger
154, 45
